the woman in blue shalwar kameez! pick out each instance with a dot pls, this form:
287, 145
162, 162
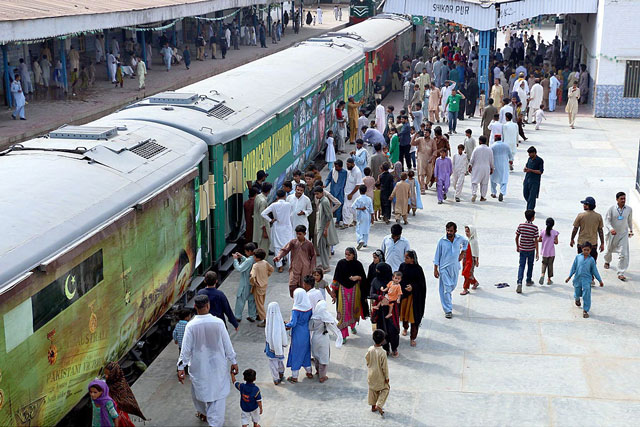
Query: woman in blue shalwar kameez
300, 350
584, 268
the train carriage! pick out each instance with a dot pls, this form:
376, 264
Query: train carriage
105, 225
101, 233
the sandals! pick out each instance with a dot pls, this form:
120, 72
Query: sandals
474, 287
622, 278
323, 379
413, 343
309, 375
464, 292
292, 380
201, 417
404, 332
585, 315
606, 265
395, 354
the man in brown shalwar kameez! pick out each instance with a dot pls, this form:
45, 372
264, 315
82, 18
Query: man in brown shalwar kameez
303, 258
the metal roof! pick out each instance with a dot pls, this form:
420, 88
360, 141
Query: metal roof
52, 199
38, 19
257, 91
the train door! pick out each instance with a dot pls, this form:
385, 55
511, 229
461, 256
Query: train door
216, 200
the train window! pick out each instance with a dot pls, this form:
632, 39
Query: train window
66, 290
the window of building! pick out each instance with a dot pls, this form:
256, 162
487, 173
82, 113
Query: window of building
632, 80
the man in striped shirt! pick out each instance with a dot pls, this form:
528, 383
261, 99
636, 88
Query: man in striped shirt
527, 245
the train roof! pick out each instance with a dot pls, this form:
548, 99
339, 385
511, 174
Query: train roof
374, 32
229, 105
56, 190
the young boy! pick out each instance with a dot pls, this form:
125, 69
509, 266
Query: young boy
496, 129
460, 168
527, 246
469, 145
584, 268
442, 172
393, 291
259, 279
378, 373
250, 398
364, 217
178, 332
377, 207
540, 116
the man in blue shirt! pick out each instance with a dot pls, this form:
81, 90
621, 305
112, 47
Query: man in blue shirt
394, 246
446, 265
372, 136
218, 303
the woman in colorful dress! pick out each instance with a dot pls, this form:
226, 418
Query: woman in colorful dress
348, 279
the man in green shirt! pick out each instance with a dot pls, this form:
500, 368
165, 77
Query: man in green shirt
453, 102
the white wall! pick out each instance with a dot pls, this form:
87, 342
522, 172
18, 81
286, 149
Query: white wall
620, 24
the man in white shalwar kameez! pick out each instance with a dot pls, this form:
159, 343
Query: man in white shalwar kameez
535, 99
281, 231
554, 84
502, 158
523, 95
619, 223
354, 180
111, 61
300, 208
446, 91
207, 351
381, 117
481, 167
510, 135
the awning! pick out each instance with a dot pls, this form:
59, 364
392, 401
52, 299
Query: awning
515, 11
39, 19
483, 15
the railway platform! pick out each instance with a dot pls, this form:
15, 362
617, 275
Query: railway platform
46, 112
504, 356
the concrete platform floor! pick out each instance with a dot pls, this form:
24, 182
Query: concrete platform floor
49, 110
504, 358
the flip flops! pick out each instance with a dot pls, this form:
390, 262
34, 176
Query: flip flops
501, 285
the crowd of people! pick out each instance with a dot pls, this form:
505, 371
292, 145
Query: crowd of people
395, 161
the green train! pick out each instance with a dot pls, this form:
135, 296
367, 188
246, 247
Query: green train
106, 225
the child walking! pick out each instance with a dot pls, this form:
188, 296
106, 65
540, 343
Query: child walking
460, 168
364, 217
104, 412
442, 172
527, 235
549, 238
540, 116
471, 259
584, 268
320, 283
259, 279
250, 398
377, 207
178, 332
481, 102
277, 339
378, 373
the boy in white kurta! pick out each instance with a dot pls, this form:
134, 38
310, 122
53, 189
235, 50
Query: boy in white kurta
460, 168
364, 216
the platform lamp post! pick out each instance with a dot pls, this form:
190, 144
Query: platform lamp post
7, 83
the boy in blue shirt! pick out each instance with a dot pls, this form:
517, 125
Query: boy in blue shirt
584, 267
178, 332
250, 398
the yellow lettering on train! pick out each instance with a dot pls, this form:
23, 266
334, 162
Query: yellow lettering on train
267, 153
354, 84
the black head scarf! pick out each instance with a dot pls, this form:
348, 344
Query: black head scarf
412, 274
346, 269
383, 276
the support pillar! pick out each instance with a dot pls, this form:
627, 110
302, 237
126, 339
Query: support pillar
143, 46
106, 53
63, 57
7, 83
483, 62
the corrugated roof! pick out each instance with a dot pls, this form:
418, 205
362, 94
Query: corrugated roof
22, 20
12, 10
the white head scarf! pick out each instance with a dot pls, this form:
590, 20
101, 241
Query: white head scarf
473, 241
320, 313
314, 297
275, 331
301, 300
